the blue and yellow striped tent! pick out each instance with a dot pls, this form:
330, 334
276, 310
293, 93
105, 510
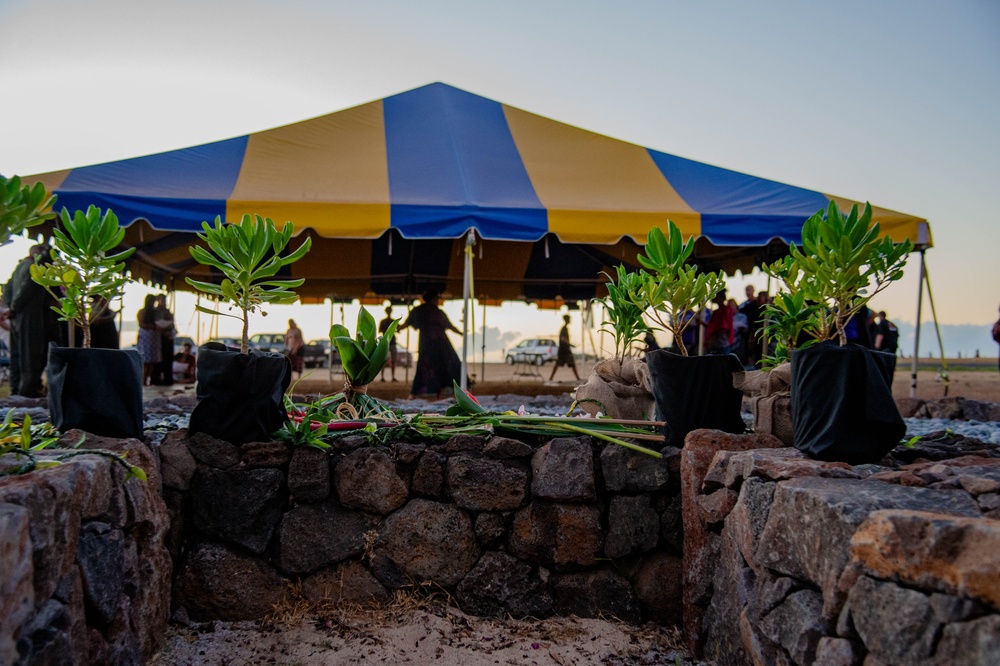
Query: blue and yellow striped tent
390, 189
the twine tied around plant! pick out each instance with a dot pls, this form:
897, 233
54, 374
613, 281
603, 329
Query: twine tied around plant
355, 389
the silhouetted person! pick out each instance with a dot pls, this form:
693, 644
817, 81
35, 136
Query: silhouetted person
33, 324
148, 341
438, 366
565, 354
383, 326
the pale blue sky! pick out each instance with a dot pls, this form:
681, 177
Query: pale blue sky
894, 102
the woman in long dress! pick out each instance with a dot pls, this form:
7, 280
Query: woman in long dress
438, 366
148, 343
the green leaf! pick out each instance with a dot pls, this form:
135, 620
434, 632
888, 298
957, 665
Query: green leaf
465, 402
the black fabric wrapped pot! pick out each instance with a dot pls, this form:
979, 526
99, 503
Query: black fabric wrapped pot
842, 406
694, 392
239, 395
96, 390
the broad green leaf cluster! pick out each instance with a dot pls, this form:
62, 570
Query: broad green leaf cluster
623, 310
364, 355
674, 287
841, 265
22, 207
248, 255
85, 273
302, 428
665, 288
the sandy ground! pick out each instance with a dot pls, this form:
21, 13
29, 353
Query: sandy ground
421, 633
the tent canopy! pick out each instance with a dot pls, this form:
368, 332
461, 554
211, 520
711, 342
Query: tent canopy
389, 189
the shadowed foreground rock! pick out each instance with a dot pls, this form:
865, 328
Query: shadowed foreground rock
823, 563
503, 525
84, 573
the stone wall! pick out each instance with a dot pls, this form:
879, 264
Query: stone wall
84, 574
567, 526
794, 561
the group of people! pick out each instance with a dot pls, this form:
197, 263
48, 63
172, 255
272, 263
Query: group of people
728, 328
156, 343
732, 328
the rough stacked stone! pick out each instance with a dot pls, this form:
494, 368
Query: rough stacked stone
701, 545
822, 563
488, 520
86, 575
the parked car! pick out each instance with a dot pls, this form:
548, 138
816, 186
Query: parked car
232, 342
317, 354
535, 351
272, 342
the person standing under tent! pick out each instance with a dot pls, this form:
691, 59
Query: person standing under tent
565, 353
438, 366
163, 374
751, 309
886, 335
719, 332
383, 326
294, 346
33, 324
148, 341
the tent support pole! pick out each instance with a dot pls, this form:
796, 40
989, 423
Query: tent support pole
916, 335
470, 240
482, 356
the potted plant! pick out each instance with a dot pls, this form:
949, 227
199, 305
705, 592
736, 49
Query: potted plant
841, 394
97, 390
240, 393
22, 207
791, 322
619, 387
691, 391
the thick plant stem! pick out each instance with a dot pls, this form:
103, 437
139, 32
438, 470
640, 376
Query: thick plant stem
680, 344
85, 323
841, 333
245, 340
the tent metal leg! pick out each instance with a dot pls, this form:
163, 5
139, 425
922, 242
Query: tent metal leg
916, 336
470, 240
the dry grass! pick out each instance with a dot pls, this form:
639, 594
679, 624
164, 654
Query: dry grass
418, 625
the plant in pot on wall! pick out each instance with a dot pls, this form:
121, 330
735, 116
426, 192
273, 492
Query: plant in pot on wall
691, 392
791, 322
22, 207
97, 390
620, 387
842, 405
240, 393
